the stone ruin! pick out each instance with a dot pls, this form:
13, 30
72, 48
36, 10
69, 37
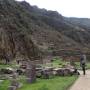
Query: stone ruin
31, 72
14, 82
46, 73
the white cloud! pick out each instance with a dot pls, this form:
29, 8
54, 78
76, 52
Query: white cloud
73, 8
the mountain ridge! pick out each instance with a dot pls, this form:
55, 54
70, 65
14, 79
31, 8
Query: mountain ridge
26, 31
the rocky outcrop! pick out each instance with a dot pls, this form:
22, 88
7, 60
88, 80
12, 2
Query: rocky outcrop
14, 41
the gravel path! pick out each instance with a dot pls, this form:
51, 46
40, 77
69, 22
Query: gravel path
83, 82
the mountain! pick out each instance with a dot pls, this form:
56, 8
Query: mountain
30, 32
81, 22
84, 24
14, 26
75, 34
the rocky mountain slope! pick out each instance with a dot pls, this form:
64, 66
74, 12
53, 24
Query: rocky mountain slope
14, 40
26, 31
84, 24
81, 22
77, 36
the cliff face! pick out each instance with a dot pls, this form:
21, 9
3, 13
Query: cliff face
14, 39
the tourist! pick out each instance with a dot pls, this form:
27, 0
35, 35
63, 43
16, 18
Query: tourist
83, 63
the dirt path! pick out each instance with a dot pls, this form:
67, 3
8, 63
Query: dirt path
83, 82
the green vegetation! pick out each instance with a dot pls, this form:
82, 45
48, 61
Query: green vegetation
57, 83
4, 85
56, 63
78, 65
8, 66
4, 66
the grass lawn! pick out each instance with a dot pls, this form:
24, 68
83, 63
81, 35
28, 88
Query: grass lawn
78, 65
4, 85
57, 83
60, 63
4, 66
56, 63
8, 66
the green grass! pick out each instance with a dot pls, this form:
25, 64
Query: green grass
56, 63
4, 66
60, 63
10, 65
4, 85
78, 65
57, 83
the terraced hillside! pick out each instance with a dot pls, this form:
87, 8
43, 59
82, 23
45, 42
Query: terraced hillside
27, 31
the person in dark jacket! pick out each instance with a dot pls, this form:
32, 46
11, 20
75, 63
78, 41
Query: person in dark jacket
83, 63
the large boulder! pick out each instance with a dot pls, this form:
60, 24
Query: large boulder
67, 72
63, 72
20, 71
75, 72
47, 73
60, 72
6, 71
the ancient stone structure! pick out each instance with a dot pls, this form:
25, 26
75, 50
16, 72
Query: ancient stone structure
14, 83
31, 72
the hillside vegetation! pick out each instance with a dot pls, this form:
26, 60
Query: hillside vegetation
27, 31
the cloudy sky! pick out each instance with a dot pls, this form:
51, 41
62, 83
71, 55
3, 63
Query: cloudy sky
69, 8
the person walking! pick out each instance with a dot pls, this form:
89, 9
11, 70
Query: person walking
83, 63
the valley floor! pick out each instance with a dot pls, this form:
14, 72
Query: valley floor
56, 83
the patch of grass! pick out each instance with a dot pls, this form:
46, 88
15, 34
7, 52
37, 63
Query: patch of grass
4, 66
57, 83
56, 63
78, 65
10, 65
4, 85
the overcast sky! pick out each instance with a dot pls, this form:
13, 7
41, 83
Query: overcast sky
70, 8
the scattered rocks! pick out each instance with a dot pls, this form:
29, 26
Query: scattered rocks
20, 71
66, 72
12, 88
47, 72
6, 71
59, 72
